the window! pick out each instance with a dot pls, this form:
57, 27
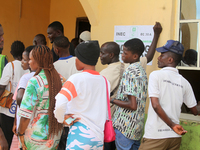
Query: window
188, 34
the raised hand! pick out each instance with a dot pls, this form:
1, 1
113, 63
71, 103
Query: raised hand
157, 28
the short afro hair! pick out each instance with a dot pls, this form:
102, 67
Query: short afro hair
29, 49
177, 58
112, 47
190, 57
56, 25
41, 39
61, 41
136, 46
17, 48
75, 42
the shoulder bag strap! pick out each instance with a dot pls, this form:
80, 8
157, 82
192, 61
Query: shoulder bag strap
108, 99
12, 75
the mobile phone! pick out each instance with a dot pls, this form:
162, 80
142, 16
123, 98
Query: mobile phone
70, 120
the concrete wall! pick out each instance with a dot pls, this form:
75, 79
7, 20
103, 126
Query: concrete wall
66, 11
104, 15
22, 20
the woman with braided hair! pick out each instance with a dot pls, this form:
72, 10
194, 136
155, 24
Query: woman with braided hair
38, 127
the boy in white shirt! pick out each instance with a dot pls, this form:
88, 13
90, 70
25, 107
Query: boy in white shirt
65, 66
84, 96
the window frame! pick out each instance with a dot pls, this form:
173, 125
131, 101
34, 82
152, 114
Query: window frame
179, 21
186, 116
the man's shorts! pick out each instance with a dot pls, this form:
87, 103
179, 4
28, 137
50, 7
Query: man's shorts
81, 137
160, 144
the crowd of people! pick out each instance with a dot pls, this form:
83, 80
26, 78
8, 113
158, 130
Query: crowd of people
60, 100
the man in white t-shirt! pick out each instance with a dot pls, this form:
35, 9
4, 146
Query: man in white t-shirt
168, 90
65, 66
110, 55
7, 114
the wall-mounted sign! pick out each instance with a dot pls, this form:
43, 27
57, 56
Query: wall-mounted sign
143, 32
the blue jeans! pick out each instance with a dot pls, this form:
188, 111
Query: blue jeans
123, 143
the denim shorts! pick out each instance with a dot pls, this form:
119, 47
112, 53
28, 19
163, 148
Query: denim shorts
123, 143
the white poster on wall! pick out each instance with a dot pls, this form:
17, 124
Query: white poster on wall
143, 32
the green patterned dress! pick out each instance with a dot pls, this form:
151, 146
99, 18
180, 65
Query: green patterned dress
35, 105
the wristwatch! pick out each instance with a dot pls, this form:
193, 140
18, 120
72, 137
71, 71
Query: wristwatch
112, 100
19, 134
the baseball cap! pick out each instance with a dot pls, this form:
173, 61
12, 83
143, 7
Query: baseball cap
172, 46
85, 36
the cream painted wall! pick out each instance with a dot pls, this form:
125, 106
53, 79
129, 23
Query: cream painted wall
106, 14
102, 14
22, 20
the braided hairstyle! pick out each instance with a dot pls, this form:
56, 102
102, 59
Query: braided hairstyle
44, 58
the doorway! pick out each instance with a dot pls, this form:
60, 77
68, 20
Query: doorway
82, 24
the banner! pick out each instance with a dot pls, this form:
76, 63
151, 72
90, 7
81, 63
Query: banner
143, 32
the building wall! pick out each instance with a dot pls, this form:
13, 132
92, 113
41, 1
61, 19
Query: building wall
66, 11
22, 20
32, 17
104, 15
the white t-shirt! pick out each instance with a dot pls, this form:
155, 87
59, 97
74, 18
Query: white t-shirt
8, 76
22, 85
24, 80
66, 66
172, 90
84, 95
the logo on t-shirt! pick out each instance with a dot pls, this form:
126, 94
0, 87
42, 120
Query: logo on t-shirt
13, 107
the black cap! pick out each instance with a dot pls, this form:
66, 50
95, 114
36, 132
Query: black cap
88, 52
